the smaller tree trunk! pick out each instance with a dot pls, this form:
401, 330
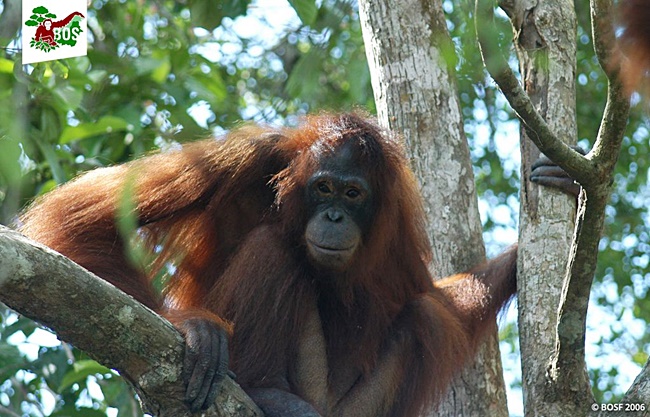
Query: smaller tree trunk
545, 45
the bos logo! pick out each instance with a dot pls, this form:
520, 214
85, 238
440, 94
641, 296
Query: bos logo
54, 31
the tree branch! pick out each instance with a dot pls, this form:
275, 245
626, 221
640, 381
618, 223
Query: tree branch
576, 165
617, 107
572, 312
602, 33
108, 324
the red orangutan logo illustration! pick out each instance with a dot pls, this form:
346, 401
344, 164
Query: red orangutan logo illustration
50, 33
45, 31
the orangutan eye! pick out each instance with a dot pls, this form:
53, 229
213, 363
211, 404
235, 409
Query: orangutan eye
353, 193
323, 188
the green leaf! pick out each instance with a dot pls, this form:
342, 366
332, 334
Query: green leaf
305, 75
208, 14
80, 371
9, 354
22, 325
358, 70
60, 70
640, 358
146, 65
47, 187
50, 124
68, 96
6, 66
306, 10
104, 125
71, 411
96, 76
210, 87
160, 74
9, 159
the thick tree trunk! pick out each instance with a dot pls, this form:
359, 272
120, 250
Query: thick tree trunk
416, 94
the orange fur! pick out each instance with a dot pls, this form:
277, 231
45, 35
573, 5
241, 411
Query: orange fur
229, 216
634, 44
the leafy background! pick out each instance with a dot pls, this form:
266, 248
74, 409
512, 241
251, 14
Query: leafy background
160, 73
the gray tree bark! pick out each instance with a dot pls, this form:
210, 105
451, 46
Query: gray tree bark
545, 41
416, 94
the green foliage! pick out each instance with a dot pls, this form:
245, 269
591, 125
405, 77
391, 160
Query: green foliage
54, 380
81, 370
107, 124
329, 66
306, 10
209, 15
